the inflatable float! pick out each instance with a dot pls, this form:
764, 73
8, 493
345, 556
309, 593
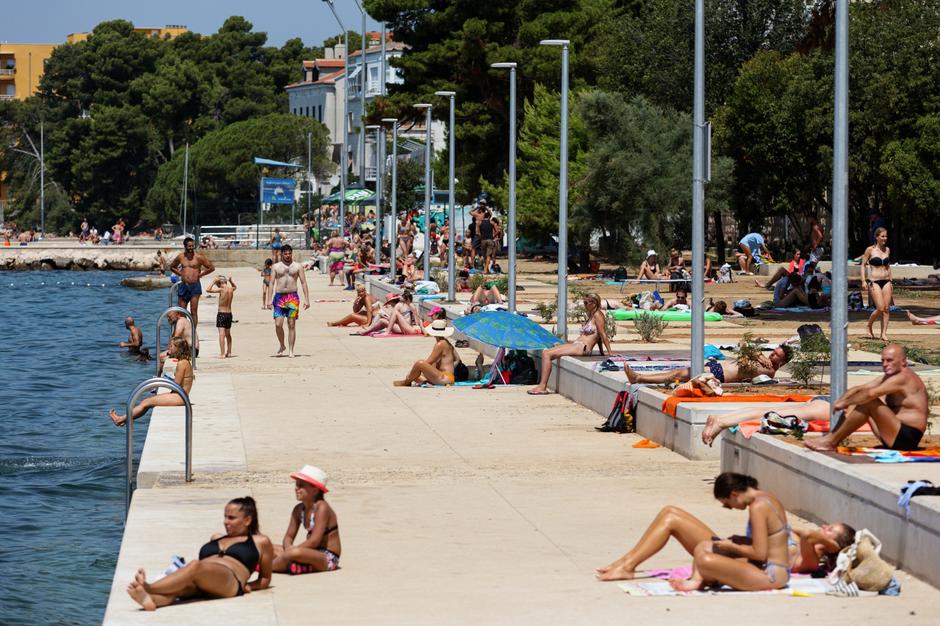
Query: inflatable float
622, 315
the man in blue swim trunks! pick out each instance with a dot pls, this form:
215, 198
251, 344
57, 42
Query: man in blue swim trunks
190, 267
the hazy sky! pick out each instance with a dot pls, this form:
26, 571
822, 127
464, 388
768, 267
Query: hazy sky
49, 21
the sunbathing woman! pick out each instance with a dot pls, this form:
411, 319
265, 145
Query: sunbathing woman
485, 294
380, 321
178, 349
404, 318
362, 310
877, 259
321, 549
920, 321
720, 560
649, 269
225, 564
438, 368
816, 409
593, 332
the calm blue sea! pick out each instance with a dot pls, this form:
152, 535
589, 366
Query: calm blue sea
61, 458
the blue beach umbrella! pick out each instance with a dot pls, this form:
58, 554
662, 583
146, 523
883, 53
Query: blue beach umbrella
506, 330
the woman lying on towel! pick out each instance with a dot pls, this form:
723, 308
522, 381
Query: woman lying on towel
816, 409
759, 560
224, 566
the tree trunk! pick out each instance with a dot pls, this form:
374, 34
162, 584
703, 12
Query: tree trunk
719, 237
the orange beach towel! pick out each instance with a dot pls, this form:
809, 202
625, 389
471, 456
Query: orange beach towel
671, 404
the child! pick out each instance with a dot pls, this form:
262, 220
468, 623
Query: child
265, 280
320, 551
225, 287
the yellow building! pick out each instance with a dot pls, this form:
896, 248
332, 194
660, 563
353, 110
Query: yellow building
21, 67
170, 30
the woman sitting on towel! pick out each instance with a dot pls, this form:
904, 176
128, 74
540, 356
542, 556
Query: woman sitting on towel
385, 313
438, 368
224, 566
404, 319
758, 561
593, 332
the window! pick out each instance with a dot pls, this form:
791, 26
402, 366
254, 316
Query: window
308, 112
320, 112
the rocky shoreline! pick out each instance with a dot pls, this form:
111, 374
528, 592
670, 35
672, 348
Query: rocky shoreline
114, 258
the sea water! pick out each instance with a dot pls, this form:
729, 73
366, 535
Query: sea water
62, 461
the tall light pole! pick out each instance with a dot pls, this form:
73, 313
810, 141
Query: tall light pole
343, 165
383, 69
379, 144
511, 226
840, 193
698, 194
393, 235
362, 100
309, 192
562, 314
427, 188
451, 265
42, 179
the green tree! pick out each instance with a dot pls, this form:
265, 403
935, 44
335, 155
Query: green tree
222, 163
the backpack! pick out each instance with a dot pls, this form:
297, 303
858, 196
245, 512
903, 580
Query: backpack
521, 368
620, 274
725, 275
619, 420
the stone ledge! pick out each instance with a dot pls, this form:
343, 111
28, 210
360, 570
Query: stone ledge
824, 489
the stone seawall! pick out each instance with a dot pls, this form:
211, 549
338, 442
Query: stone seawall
104, 258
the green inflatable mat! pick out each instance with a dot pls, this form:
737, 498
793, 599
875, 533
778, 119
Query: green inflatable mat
669, 316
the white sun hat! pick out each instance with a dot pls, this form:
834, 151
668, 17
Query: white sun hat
313, 475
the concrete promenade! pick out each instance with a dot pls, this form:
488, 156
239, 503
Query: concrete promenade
455, 505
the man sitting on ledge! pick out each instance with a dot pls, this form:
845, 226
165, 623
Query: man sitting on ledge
725, 373
899, 420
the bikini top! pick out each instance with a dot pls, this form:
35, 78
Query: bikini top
245, 552
877, 261
784, 528
588, 328
310, 526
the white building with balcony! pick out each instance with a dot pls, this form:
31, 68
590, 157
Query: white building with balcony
323, 86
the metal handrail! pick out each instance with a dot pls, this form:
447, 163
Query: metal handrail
142, 388
174, 290
192, 345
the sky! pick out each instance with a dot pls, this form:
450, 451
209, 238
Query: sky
49, 21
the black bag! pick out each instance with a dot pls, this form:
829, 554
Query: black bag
461, 372
808, 330
521, 368
620, 274
620, 420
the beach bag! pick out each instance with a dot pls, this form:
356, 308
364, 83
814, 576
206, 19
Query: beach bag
861, 564
725, 275
808, 330
744, 307
620, 274
461, 372
619, 420
427, 287
855, 301
521, 368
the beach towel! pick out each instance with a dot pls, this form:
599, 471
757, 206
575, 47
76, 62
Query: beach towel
671, 404
750, 427
393, 335
880, 455
798, 586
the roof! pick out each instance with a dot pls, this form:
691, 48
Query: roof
325, 79
318, 63
390, 46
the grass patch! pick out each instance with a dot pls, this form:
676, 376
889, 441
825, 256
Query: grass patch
914, 352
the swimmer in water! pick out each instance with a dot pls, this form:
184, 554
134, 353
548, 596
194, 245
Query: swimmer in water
136, 338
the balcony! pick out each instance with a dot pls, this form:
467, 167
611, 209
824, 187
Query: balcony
7, 73
370, 173
7, 96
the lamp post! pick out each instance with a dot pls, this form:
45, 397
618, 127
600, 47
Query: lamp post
562, 329
343, 165
451, 265
362, 100
427, 187
511, 226
840, 192
379, 144
698, 194
383, 67
393, 234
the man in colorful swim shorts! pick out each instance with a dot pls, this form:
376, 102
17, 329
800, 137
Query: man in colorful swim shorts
283, 298
190, 266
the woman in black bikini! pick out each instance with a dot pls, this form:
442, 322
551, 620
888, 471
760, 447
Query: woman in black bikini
877, 259
320, 551
225, 564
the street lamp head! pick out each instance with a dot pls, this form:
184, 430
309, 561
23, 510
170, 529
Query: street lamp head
373, 126
423, 105
445, 94
329, 2
390, 120
554, 42
503, 66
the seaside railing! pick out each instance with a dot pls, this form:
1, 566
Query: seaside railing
141, 389
181, 311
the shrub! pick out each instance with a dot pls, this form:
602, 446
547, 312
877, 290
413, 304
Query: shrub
748, 359
649, 326
810, 359
440, 277
546, 310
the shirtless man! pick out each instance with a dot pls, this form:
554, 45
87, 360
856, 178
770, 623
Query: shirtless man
283, 297
725, 373
899, 420
225, 287
190, 267
136, 338
182, 328
438, 368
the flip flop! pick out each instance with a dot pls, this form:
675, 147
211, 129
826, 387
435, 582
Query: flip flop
532, 392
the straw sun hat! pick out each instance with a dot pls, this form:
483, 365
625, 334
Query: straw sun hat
439, 328
313, 475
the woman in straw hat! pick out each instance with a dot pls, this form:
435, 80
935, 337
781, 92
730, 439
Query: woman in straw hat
438, 368
320, 551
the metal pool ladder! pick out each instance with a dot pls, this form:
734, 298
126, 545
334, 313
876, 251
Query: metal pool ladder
142, 388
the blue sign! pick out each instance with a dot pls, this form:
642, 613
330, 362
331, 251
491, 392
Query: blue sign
277, 190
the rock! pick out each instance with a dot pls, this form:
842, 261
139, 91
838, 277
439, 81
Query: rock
147, 283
